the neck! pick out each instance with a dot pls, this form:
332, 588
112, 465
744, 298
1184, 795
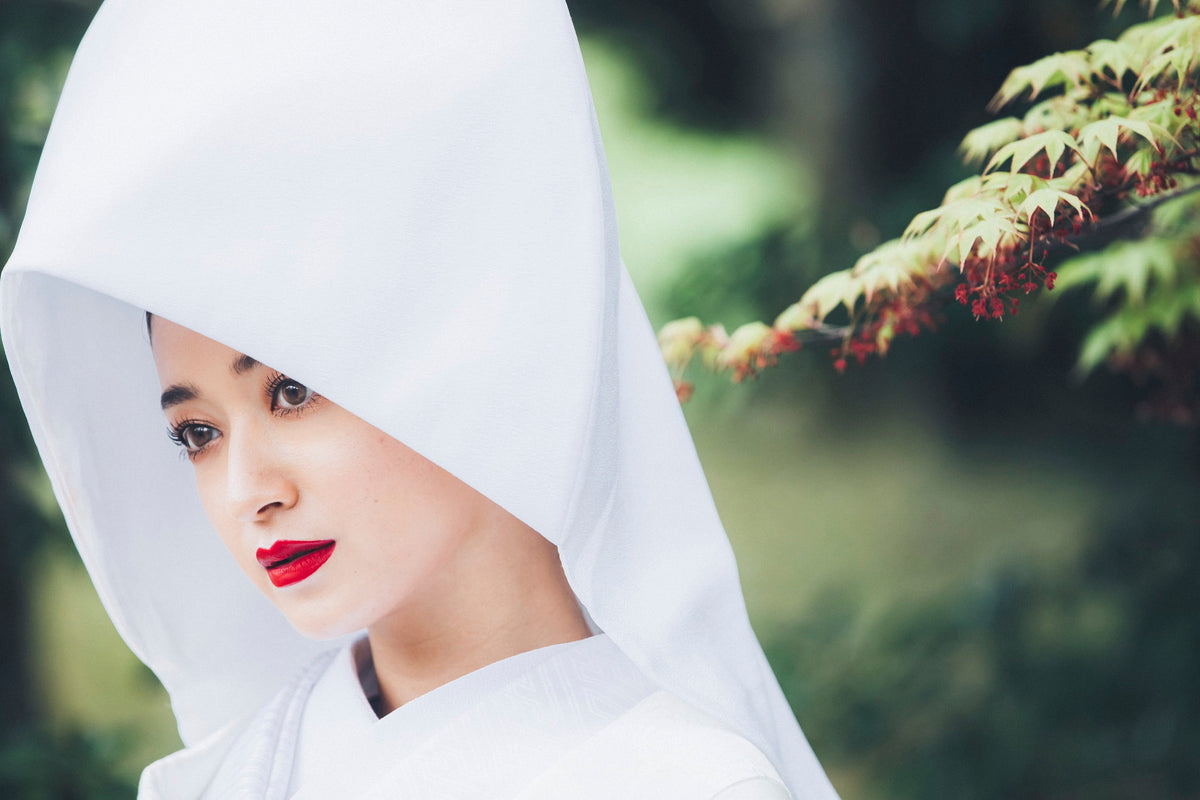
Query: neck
502, 595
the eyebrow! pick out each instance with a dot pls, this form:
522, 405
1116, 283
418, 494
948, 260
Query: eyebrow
183, 392
243, 364
178, 393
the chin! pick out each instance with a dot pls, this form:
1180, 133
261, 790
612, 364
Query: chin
317, 617
321, 629
316, 610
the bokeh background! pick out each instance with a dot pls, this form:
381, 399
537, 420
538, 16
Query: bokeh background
975, 574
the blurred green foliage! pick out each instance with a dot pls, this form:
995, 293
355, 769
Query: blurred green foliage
38, 764
36, 40
1079, 683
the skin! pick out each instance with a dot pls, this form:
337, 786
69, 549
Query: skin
443, 579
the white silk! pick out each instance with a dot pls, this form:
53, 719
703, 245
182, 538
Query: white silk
404, 205
574, 720
338, 718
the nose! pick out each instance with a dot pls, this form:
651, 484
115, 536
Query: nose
259, 483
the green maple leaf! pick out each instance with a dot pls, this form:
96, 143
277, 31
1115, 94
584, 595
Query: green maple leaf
987, 139
795, 317
1161, 117
1176, 63
1115, 335
1015, 187
1175, 52
1124, 331
983, 239
1178, 217
1047, 201
889, 266
1139, 163
1110, 57
1107, 132
1053, 143
1058, 113
826, 294
1058, 69
967, 187
1109, 104
743, 344
1144, 41
955, 216
1126, 267
1073, 179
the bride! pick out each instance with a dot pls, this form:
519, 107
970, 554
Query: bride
427, 520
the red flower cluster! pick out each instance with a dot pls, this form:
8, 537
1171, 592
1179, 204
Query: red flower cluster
991, 297
908, 314
1159, 179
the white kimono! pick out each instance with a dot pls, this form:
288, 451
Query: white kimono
575, 720
405, 206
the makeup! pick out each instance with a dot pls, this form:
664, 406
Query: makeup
288, 562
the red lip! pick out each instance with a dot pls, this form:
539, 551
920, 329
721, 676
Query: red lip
288, 562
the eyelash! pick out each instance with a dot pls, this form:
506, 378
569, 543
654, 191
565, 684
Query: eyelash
277, 380
178, 430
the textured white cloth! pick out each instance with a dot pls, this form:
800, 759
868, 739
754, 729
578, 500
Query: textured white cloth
574, 720
406, 207
338, 718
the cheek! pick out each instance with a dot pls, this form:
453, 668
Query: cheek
382, 468
358, 471
210, 484
417, 509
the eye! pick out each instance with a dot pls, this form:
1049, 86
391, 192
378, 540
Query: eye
193, 436
287, 395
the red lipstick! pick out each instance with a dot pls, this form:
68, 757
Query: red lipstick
288, 562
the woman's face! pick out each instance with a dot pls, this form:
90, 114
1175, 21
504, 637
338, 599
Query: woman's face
335, 521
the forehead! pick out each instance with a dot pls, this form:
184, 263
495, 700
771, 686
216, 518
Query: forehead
180, 352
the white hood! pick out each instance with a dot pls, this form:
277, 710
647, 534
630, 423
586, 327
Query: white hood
404, 205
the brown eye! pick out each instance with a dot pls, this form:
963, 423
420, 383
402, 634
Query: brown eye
290, 394
195, 436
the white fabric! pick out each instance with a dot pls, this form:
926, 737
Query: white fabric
405, 206
574, 720
338, 717
760, 788
665, 749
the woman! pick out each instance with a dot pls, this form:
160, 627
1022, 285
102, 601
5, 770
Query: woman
405, 207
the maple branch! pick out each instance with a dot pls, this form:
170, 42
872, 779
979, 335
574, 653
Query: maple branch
822, 333
1146, 207
1118, 225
